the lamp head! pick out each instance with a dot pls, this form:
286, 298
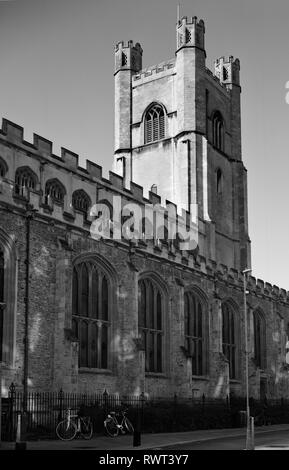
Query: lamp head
247, 271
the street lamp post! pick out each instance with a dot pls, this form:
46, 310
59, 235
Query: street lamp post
248, 429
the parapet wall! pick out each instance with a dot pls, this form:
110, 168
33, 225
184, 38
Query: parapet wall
155, 69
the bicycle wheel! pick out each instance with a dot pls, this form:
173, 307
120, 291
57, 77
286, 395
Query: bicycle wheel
86, 428
128, 425
110, 427
66, 430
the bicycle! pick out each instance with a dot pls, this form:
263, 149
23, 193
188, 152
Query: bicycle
113, 426
74, 425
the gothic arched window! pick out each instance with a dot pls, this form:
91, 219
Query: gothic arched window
218, 131
154, 124
259, 339
219, 181
25, 180
229, 337
1, 300
194, 332
91, 298
54, 191
150, 323
81, 201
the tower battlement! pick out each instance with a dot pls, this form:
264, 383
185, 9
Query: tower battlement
128, 45
191, 20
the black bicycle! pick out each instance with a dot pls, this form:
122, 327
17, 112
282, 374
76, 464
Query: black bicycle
74, 425
117, 422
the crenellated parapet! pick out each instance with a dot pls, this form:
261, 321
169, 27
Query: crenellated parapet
40, 159
163, 68
256, 287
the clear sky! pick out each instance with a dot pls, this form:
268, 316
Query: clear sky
57, 59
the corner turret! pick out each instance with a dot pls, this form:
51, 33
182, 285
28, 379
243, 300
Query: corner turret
227, 70
191, 33
128, 56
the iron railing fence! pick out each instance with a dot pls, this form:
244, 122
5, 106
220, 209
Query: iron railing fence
152, 414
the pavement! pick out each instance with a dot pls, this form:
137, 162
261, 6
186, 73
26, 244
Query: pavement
151, 441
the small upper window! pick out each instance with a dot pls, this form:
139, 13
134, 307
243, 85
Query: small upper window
54, 190
25, 179
218, 131
81, 201
154, 124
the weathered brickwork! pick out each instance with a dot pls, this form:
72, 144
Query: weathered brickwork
53, 237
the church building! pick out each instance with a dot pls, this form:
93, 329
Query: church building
132, 314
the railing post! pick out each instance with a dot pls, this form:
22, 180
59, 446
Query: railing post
203, 403
228, 402
175, 410
60, 400
105, 400
137, 430
11, 410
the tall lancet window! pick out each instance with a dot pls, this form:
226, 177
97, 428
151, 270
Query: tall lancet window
91, 313
150, 322
229, 339
218, 131
194, 332
259, 339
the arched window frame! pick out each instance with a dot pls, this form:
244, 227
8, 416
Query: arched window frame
230, 337
25, 181
54, 191
8, 302
195, 328
218, 131
152, 303
259, 329
154, 123
94, 352
81, 201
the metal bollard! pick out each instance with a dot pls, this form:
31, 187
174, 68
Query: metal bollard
19, 445
252, 433
136, 439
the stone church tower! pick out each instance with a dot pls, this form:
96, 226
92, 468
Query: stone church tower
178, 133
